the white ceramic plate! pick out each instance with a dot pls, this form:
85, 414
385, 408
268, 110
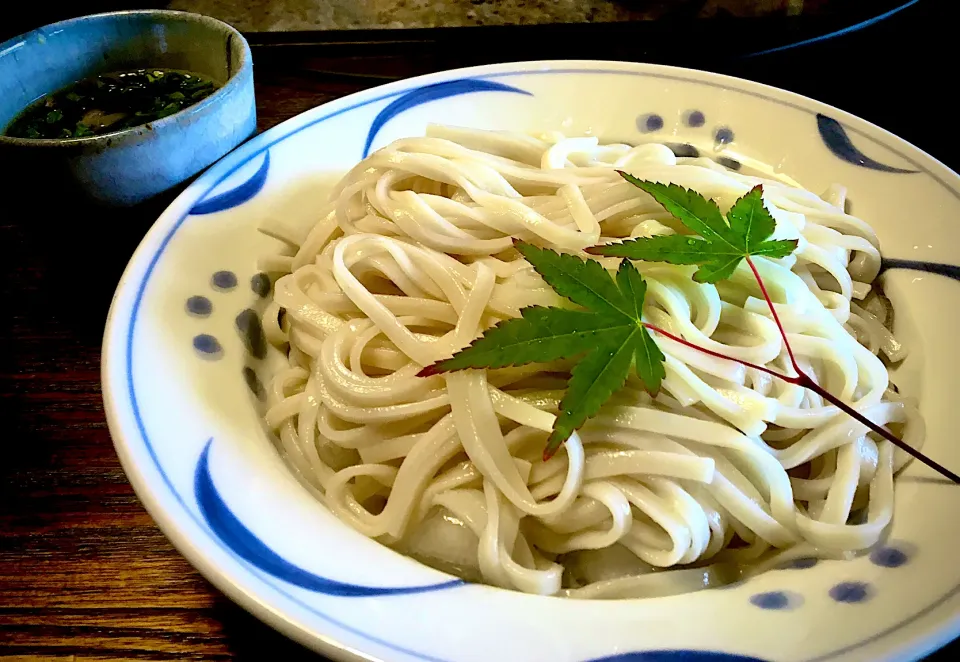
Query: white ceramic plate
180, 386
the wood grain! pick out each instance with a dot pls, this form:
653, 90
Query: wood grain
84, 572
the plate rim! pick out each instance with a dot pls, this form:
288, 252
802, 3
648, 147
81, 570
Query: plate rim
166, 225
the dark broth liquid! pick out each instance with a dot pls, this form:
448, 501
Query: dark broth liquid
110, 102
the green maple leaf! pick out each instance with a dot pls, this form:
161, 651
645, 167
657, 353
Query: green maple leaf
722, 244
608, 333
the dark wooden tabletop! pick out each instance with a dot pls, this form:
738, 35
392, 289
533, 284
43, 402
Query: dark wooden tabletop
84, 572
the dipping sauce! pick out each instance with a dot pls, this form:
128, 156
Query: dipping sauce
110, 102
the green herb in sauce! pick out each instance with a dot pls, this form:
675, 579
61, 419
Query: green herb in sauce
111, 102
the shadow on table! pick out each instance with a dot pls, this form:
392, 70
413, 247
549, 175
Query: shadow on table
60, 262
65, 258
250, 640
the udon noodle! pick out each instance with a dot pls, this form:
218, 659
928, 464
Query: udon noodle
413, 258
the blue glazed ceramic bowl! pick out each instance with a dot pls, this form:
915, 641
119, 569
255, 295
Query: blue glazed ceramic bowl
129, 166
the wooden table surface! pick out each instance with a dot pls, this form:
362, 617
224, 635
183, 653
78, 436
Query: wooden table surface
84, 572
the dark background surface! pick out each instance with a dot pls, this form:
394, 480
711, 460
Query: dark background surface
21, 17
84, 572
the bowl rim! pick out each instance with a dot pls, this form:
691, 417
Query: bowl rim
152, 494
232, 83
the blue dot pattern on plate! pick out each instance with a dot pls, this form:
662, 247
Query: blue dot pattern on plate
649, 123
723, 135
253, 382
889, 557
850, 592
207, 344
727, 162
199, 306
683, 149
260, 284
695, 119
224, 280
251, 332
771, 600
802, 563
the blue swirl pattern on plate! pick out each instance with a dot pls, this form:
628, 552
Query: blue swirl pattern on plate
422, 95
233, 536
235, 196
948, 270
678, 656
837, 141
251, 549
